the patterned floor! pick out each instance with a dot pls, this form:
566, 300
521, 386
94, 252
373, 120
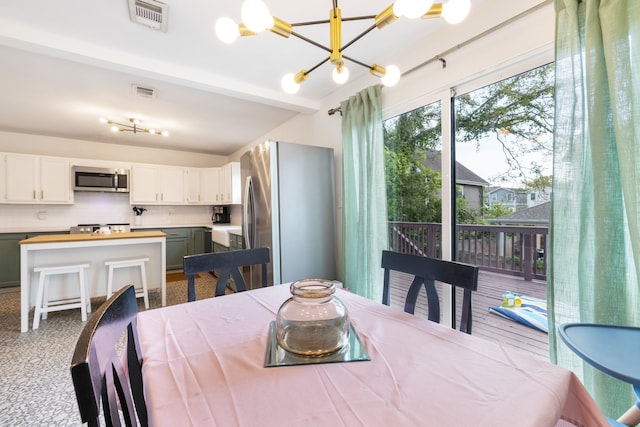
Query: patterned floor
35, 383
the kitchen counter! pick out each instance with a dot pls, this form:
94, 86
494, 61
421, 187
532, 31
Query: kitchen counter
92, 249
156, 226
56, 238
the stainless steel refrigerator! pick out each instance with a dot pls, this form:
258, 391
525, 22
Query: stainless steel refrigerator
289, 206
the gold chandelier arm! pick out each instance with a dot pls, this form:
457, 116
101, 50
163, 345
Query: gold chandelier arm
335, 28
281, 28
244, 31
317, 65
378, 70
362, 64
435, 11
308, 40
358, 37
385, 17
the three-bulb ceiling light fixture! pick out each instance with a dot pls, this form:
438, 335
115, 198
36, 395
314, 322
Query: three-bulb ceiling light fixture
256, 18
133, 127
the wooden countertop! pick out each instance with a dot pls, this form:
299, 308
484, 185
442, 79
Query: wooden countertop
57, 238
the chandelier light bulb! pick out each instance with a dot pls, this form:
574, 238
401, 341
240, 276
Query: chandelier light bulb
455, 11
115, 128
340, 74
227, 30
411, 8
391, 77
289, 84
256, 16
164, 133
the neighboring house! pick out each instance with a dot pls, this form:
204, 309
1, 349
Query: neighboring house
469, 185
535, 215
515, 198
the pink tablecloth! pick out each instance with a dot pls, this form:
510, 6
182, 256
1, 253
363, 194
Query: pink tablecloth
203, 366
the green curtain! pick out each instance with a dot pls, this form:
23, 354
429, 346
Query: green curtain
595, 222
364, 218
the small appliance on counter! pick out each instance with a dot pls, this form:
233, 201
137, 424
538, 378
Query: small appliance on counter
100, 228
220, 215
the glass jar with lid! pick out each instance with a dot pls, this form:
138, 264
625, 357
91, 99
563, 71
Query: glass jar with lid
313, 322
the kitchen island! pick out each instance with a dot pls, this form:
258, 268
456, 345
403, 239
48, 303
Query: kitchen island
94, 249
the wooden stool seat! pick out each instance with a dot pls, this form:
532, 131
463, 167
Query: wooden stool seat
44, 306
142, 291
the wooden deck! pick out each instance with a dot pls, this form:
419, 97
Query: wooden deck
485, 324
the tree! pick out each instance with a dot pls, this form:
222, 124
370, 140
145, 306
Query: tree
496, 210
518, 112
412, 189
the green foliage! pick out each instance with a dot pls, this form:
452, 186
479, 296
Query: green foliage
412, 189
496, 210
518, 111
464, 214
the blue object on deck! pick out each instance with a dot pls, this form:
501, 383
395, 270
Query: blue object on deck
532, 313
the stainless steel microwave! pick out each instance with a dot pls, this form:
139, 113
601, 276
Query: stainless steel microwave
100, 179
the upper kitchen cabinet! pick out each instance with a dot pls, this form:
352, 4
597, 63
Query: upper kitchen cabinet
34, 179
157, 185
210, 185
192, 186
230, 184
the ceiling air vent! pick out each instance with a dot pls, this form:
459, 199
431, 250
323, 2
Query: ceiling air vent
145, 92
150, 13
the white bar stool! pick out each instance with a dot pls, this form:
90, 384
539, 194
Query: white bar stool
127, 263
44, 306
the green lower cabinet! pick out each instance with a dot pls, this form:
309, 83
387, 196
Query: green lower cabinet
177, 245
10, 256
236, 242
10, 259
196, 242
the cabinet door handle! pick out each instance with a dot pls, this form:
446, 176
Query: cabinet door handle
42, 194
34, 194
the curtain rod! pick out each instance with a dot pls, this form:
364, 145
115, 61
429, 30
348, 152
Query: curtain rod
441, 57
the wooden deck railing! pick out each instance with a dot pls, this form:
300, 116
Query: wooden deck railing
516, 250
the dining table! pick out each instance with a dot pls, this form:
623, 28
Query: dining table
204, 365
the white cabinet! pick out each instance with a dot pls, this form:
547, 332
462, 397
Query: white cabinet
158, 185
192, 187
33, 179
230, 184
210, 185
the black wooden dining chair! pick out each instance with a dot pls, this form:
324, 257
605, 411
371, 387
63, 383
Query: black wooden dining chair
228, 265
97, 369
426, 272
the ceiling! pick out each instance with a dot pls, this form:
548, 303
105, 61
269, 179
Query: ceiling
66, 63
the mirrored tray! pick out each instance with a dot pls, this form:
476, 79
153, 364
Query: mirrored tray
354, 351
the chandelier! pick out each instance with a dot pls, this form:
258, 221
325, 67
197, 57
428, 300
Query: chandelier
256, 18
133, 127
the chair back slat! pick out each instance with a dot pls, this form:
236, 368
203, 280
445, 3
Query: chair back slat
426, 272
228, 265
97, 370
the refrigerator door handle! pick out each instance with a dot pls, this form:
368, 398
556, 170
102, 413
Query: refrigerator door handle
248, 214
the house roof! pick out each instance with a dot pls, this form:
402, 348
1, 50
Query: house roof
464, 175
534, 215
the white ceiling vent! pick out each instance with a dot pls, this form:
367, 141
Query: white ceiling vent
145, 92
150, 13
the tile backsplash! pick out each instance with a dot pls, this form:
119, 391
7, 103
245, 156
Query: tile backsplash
98, 208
